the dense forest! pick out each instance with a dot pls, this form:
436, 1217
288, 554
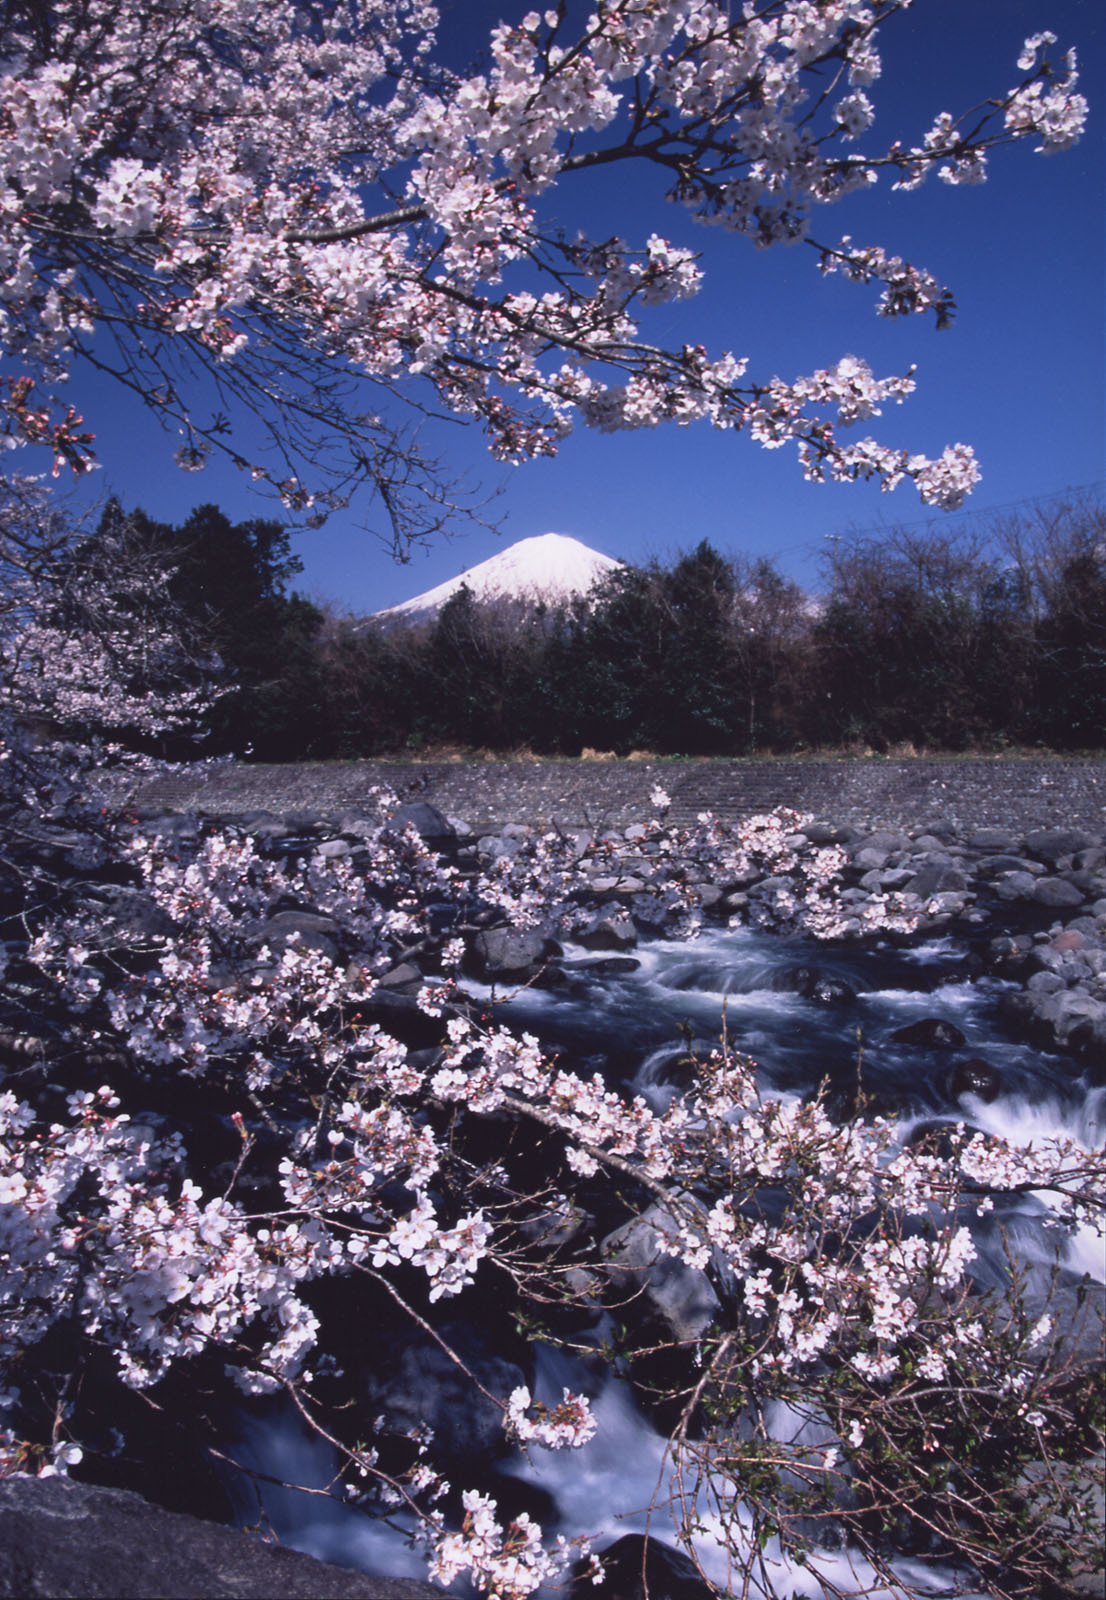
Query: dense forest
991, 639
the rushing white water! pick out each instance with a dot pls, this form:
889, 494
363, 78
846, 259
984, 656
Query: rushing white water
623, 1481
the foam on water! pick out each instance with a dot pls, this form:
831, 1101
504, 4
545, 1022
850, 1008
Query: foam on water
624, 1481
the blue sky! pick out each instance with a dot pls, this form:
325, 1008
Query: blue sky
1020, 376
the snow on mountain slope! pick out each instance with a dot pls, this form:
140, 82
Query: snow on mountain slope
549, 567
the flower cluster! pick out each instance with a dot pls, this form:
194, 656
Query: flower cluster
230, 252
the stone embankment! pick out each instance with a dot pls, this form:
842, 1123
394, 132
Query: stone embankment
965, 794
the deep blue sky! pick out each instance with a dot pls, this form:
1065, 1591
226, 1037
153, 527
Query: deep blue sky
1020, 376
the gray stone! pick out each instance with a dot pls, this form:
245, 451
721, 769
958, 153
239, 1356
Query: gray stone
1079, 1021
1057, 892
1057, 844
398, 976
886, 839
1016, 886
615, 932
821, 833
995, 839
932, 1033
61, 1540
313, 930
506, 953
995, 866
427, 821
494, 845
333, 849
680, 1295
933, 880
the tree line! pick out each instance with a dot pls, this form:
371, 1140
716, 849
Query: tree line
982, 640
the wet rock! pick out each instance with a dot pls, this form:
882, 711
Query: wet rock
415, 1383
974, 1076
609, 933
637, 1568
68, 1541
604, 967
827, 991
506, 954
812, 985
930, 1033
681, 1296
791, 980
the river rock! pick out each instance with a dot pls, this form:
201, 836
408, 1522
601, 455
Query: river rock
609, 932
681, 1296
935, 878
61, 1540
494, 846
995, 866
1016, 886
974, 1076
990, 840
1057, 892
931, 1033
1054, 845
428, 822
506, 954
309, 929
637, 1568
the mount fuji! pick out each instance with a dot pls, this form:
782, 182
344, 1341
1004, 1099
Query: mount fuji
549, 568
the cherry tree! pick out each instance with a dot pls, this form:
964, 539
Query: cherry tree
294, 210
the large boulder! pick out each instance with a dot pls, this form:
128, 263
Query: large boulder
68, 1541
435, 830
507, 955
636, 1262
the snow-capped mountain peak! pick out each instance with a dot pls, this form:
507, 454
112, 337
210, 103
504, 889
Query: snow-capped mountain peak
550, 567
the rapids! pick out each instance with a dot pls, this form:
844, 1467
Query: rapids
634, 1023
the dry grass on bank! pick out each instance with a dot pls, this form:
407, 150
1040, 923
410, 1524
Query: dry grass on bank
455, 754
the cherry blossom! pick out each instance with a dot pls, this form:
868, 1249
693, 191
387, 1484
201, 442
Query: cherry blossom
308, 206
